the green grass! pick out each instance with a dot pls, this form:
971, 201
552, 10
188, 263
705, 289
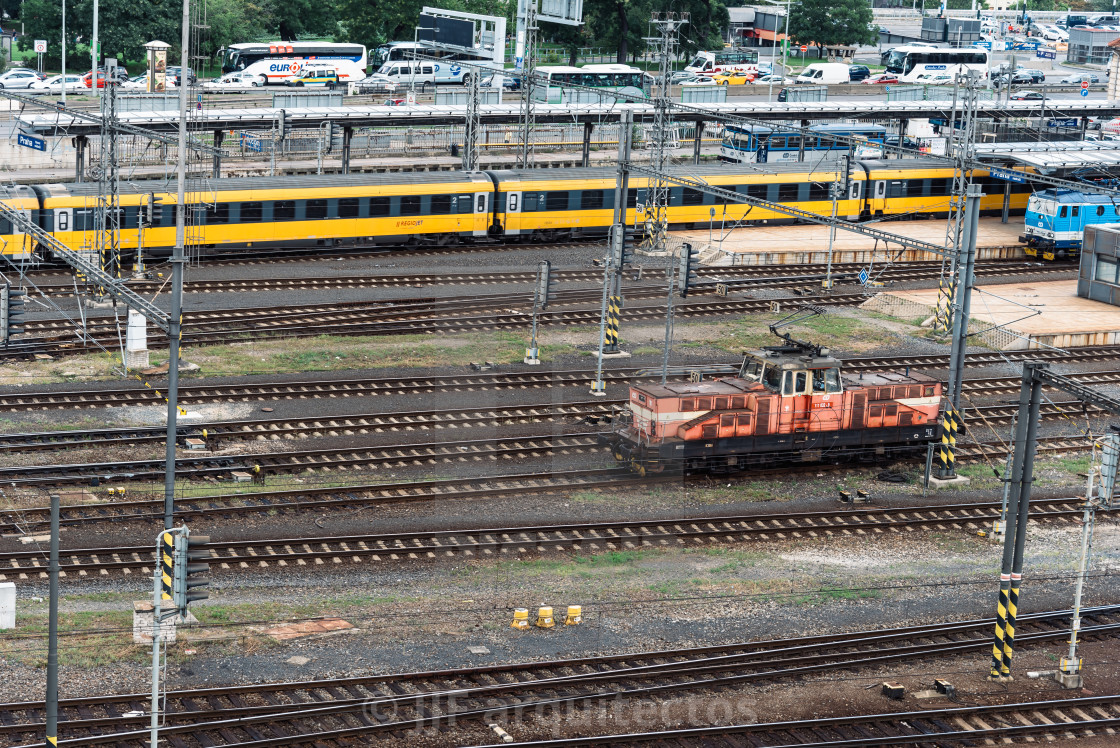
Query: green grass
751, 332
834, 595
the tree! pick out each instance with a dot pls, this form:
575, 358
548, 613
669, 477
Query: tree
832, 22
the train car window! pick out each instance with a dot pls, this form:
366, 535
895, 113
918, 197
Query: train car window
315, 210
1105, 271
410, 205
631, 198
703, 403
348, 207
1100, 210
940, 186
819, 191
818, 381
929, 391
167, 216
720, 403
772, 378
591, 199
1076, 211
690, 196
556, 201
283, 210
379, 206
130, 218
832, 381
688, 405
753, 371
787, 193
897, 188
465, 204
675, 195
787, 383
1062, 212
217, 213
801, 383
793, 142
441, 205
80, 219
761, 191
528, 202
251, 212
5, 227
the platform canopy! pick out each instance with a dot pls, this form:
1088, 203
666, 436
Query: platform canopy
1054, 156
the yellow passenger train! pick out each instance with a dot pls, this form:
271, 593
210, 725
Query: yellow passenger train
441, 208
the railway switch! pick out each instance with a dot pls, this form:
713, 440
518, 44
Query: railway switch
520, 619
574, 616
544, 617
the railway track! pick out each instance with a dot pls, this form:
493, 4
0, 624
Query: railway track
512, 542
1030, 722
195, 394
746, 276
582, 414
332, 713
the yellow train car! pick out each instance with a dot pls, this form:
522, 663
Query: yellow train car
266, 212
16, 244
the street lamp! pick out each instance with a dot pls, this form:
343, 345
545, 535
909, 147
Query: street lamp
785, 47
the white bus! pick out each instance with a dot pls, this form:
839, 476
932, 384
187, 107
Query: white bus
710, 63
279, 62
441, 70
913, 61
622, 78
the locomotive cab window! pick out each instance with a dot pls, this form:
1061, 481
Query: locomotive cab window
772, 378
794, 383
753, 371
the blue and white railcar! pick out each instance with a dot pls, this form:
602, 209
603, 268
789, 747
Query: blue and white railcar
759, 144
1056, 219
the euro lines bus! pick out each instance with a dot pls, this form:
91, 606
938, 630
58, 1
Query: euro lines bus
279, 62
443, 69
710, 63
912, 62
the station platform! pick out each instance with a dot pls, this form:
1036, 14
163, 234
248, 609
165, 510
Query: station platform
805, 244
1028, 315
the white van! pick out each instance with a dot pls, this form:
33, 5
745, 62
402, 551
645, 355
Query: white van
425, 72
824, 73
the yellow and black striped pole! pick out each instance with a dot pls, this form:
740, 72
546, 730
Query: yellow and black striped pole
610, 335
946, 453
943, 317
1001, 669
167, 566
1012, 611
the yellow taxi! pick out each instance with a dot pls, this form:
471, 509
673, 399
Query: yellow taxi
732, 78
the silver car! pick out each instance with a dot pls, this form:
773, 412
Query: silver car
19, 78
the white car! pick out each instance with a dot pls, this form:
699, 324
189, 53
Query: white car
378, 82
53, 85
776, 80
234, 80
140, 83
18, 78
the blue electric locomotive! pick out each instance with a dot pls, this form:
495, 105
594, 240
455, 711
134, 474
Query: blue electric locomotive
1056, 220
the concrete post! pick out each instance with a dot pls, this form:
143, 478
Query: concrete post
801, 148
1006, 202
219, 136
587, 129
347, 134
696, 141
81, 142
7, 605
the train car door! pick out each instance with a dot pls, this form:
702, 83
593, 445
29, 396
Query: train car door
826, 399
878, 202
513, 212
481, 220
855, 202
796, 410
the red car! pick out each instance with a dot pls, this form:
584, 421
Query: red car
881, 78
122, 75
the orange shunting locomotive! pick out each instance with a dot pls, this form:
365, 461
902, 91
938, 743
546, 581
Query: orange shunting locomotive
789, 404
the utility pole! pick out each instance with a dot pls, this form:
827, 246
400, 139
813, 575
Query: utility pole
93, 81
474, 123
951, 421
526, 65
52, 633
108, 182
174, 333
94, 49
657, 195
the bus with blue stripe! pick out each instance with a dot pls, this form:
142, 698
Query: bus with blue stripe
760, 144
1056, 219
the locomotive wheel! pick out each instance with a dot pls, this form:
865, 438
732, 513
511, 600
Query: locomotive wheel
618, 455
640, 469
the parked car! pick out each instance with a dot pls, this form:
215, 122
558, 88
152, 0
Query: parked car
507, 82
682, 76
19, 78
891, 141
1027, 96
375, 83
1079, 77
121, 75
175, 72
857, 73
239, 79
732, 78
700, 80
1037, 75
53, 85
881, 78
1018, 78
824, 73
768, 80
315, 76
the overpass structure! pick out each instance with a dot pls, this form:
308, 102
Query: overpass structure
349, 118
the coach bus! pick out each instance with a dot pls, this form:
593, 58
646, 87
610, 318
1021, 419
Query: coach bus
621, 78
279, 62
709, 63
911, 62
760, 144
